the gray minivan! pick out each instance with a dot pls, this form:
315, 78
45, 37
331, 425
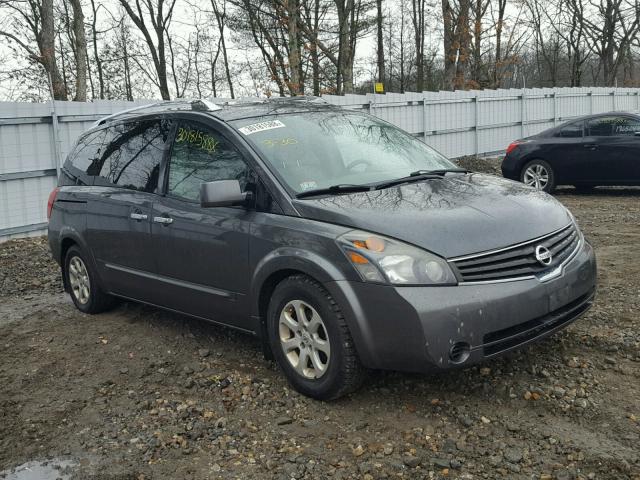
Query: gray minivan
342, 242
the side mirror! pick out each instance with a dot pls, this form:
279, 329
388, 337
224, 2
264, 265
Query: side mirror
222, 193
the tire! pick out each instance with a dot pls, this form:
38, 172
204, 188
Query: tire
83, 283
539, 175
323, 335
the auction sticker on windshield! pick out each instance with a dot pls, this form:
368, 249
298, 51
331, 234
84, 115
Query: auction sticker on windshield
261, 127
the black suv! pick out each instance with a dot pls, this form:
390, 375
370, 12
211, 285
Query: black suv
343, 242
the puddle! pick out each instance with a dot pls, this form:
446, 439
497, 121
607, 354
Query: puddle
53, 469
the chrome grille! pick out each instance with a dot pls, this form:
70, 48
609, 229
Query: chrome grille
519, 260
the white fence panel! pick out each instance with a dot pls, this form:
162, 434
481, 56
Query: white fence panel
33, 136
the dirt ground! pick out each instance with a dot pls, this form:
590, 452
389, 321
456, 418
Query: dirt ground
139, 393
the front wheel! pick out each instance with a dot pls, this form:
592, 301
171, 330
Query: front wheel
311, 340
539, 175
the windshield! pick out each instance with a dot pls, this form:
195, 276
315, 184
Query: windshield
315, 150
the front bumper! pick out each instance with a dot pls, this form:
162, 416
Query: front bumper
415, 328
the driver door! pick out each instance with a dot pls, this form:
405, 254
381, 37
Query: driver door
202, 253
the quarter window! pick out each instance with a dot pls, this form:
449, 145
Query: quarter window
200, 155
86, 153
133, 155
573, 130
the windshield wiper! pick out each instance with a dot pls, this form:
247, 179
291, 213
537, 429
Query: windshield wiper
417, 176
335, 189
440, 172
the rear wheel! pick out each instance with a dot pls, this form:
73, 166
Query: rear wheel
83, 284
539, 175
311, 340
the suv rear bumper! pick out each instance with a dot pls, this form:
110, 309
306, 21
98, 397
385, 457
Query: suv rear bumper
415, 328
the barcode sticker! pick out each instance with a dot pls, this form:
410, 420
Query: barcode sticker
261, 127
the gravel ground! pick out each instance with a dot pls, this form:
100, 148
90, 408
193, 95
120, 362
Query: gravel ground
139, 393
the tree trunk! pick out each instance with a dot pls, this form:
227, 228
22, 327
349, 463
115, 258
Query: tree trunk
418, 29
497, 68
346, 14
464, 41
315, 59
450, 50
80, 51
46, 44
96, 57
381, 73
295, 83
220, 19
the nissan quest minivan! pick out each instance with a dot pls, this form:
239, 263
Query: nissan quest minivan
344, 243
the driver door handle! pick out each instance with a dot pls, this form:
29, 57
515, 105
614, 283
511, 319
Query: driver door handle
591, 146
139, 216
163, 220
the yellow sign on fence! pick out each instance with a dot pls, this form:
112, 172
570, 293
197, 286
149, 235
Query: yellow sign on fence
379, 87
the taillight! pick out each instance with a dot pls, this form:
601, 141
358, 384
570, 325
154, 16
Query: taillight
51, 201
512, 145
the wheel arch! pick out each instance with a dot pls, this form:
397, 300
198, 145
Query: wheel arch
67, 239
273, 269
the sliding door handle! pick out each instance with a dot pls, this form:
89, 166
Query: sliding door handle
591, 146
163, 220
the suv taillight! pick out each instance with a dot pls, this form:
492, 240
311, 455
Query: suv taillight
51, 201
511, 146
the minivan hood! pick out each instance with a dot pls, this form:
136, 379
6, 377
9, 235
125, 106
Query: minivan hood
452, 216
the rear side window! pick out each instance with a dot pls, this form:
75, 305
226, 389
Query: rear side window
132, 155
85, 154
573, 130
200, 154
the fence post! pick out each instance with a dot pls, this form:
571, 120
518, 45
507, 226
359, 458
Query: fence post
613, 93
424, 118
523, 107
477, 122
54, 126
555, 107
638, 101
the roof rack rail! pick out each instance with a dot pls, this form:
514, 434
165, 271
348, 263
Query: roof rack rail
199, 105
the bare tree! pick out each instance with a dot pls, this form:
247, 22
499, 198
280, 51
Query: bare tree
160, 19
80, 51
417, 18
456, 42
37, 18
220, 12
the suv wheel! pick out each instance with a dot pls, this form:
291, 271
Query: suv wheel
311, 341
539, 175
83, 284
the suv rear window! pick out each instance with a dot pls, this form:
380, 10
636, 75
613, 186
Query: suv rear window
132, 155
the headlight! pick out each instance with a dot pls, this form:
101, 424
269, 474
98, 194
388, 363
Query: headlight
381, 259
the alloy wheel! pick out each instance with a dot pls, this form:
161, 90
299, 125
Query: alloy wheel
304, 339
536, 176
79, 280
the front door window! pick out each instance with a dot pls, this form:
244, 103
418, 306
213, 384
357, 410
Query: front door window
202, 155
